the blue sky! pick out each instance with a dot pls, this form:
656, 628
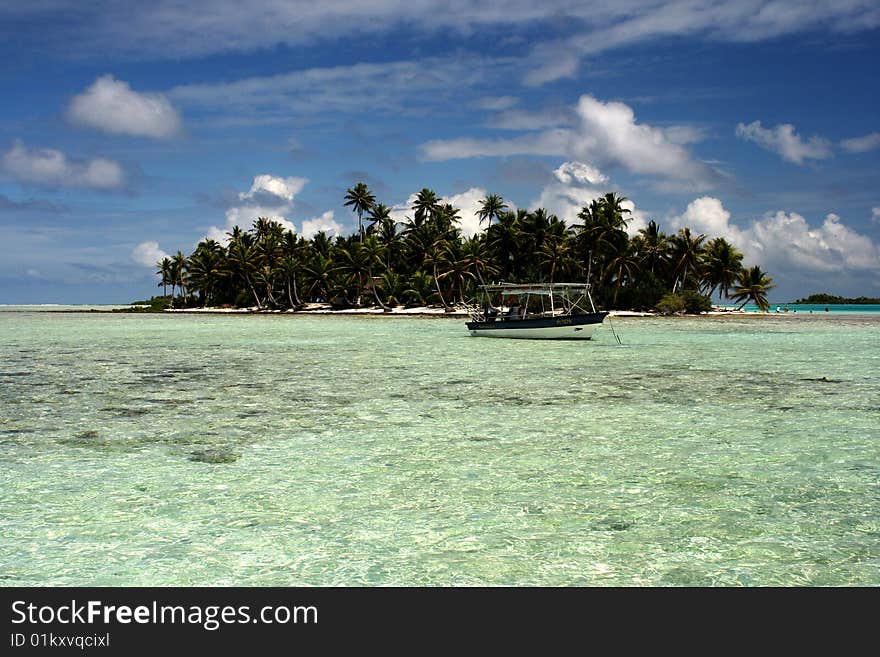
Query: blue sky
132, 130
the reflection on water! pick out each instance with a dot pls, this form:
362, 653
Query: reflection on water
259, 450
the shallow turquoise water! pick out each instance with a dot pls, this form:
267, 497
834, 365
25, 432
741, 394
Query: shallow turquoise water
830, 308
261, 450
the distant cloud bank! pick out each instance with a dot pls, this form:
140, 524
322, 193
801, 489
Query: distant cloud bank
172, 29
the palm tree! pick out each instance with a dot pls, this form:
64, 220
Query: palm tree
533, 230
686, 253
753, 285
624, 265
320, 273
555, 250
361, 199
602, 233
435, 255
421, 287
722, 265
165, 272
425, 206
491, 208
353, 263
390, 239
244, 263
476, 253
612, 210
178, 271
372, 255
321, 243
502, 241
207, 267
291, 265
456, 269
654, 247
394, 287
417, 243
445, 220
379, 213
263, 227
269, 236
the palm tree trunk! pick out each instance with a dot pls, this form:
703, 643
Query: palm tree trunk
375, 293
296, 292
437, 285
254, 292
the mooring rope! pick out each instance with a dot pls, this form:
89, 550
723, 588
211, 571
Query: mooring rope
613, 332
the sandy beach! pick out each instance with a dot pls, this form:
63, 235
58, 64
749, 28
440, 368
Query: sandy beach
417, 311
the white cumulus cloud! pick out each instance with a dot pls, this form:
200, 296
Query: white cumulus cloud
468, 202
50, 167
707, 215
785, 142
862, 144
569, 172
607, 133
269, 196
577, 185
112, 106
325, 222
784, 241
284, 189
148, 254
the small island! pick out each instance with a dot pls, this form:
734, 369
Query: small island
830, 299
426, 260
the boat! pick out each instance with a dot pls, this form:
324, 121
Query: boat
544, 311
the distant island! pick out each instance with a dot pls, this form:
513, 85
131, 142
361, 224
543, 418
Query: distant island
427, 261
831, 299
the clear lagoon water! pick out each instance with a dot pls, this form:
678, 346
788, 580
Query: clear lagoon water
291, 450
812, 308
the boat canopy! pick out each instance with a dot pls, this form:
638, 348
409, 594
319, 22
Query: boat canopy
545, 289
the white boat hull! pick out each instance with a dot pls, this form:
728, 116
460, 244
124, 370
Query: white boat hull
542, 333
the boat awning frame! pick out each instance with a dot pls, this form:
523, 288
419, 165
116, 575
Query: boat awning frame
514, 289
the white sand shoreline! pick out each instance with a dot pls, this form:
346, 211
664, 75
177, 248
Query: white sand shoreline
425, 311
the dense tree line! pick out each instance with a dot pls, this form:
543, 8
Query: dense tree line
426, 260
826, 298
